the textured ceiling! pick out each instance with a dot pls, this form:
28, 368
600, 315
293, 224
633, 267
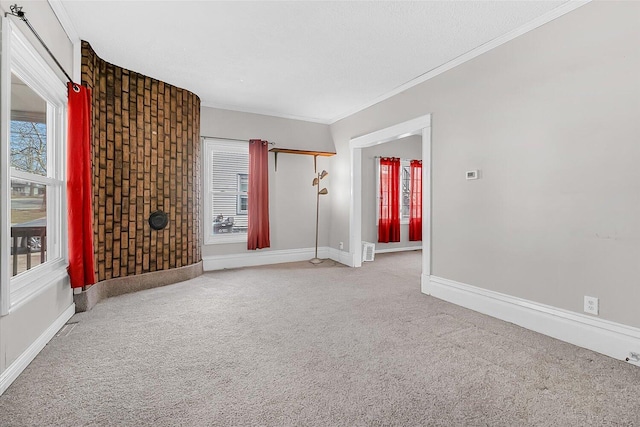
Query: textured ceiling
312, 60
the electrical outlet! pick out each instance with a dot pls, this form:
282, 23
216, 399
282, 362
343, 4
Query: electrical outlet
341, 245
591, 305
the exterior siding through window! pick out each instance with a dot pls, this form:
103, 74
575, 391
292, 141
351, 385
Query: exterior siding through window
228, 163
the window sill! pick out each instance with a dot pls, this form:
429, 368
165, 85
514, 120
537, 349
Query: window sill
29, 284
402, 222
225, 239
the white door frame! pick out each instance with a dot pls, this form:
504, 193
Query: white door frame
418, 126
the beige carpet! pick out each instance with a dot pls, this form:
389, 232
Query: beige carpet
297, 344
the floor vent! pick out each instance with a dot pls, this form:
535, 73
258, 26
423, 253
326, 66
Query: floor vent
368, 251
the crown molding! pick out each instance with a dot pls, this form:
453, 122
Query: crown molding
529, 26
63, 17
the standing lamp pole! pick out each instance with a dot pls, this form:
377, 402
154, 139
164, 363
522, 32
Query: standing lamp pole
316, 183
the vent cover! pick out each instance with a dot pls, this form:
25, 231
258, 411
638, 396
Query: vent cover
368, 251
158, 220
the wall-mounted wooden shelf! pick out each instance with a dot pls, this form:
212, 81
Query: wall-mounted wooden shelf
315, 155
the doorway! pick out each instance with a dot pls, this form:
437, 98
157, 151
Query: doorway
418, 126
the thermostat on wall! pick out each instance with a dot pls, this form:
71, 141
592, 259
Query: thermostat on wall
472, 174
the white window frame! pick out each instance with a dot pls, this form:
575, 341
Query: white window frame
207, 168
403, 164
22, 59
241, 194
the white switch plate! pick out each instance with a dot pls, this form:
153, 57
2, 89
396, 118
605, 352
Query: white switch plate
591, 305
472, 174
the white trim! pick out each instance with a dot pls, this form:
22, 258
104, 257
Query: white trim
65, 21
5, 177
426, 199
23, 60
417, 126
403, 249
254, 258
32, 69
340, 256
425, 283
28, 284
355, 208
529, 26
19, 365
603, 336
33, 177
391, 133
249, 259
223, 239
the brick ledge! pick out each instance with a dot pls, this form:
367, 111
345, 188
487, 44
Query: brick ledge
85, 300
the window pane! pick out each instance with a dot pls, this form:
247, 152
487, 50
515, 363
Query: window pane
242, 198
28, 225
226, 165
225, 219
243, 182
406, 192
28, 136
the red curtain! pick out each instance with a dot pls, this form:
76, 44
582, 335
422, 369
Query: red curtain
79, 195
415, 204
258, 195
389, 222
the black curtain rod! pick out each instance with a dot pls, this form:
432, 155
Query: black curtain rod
388, 157
17, 11
231, 139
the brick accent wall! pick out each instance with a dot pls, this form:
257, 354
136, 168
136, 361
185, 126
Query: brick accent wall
146, 157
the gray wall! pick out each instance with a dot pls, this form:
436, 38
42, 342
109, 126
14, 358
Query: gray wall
292, 207
551, 120
46, 23
406, 148
28, 321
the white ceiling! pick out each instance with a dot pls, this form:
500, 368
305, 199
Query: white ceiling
315, 61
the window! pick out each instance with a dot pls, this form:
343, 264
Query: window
226, 183
32, 199
28, 167
404, 193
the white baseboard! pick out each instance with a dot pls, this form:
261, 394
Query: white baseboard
342, 257
406, 248
251, 259
425, 281
19, 365
603, 336
254, 258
